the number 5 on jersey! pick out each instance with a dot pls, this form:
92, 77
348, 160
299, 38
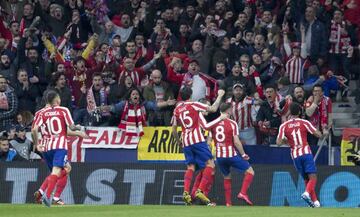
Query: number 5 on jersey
186, 120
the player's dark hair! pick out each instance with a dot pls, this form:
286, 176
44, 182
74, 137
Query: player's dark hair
224, 107
185, 93
295, 109
50, 96
204, 100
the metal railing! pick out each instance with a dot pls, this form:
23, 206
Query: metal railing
321, 143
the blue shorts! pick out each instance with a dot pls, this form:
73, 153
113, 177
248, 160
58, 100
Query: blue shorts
305, 164
56, 158
236, 162
197, 154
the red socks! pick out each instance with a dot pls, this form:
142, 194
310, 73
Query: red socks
227, 188
246, 183
210, 184
196, 184
52, 179
310, 188
61, 183
206, 178
187, 179
44, 185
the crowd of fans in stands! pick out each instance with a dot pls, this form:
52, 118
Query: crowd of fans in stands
122, 63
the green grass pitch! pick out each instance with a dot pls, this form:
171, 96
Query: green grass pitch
30, 210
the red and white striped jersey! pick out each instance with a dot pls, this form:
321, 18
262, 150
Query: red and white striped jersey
136, 75
53, 122
43, 132
320, 116
339, 40
191, 120
295, 69
243, 112
295, 130
223, 133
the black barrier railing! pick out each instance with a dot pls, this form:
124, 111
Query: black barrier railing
138, 184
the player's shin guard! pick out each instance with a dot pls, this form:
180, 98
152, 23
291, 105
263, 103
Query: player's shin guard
52, 179
227, 188
187, 179
60, 184
210, 184
246, 183
206, 178
196, 184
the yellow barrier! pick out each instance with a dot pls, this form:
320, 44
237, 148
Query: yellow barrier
158, 144
350, 147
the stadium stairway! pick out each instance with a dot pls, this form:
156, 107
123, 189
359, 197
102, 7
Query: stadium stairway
345, 115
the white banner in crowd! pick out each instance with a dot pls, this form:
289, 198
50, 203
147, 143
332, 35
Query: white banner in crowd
108, 137
100, 137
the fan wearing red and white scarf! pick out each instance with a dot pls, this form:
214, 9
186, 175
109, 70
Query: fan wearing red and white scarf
133, 117
339, 38
320, 117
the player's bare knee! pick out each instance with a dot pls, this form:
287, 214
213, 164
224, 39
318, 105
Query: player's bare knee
312, 176
210, 163
251, 171
56, 171
191, 167
67, 168
227, 176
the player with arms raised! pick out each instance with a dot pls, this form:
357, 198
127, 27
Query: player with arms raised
226, 136
196, 150
53, 120
294, 133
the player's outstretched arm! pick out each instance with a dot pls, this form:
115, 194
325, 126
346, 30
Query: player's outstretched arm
74, 127
81, 134
214, 107
240, 147
207, 126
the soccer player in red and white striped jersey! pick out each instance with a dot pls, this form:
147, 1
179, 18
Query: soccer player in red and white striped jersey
196, 150
294, 133
226, 136
62, 180
53, 121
